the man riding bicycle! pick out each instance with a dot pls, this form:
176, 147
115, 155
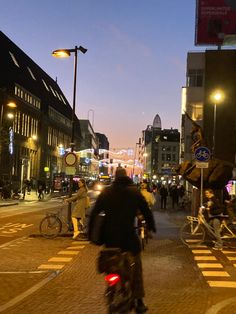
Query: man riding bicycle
121, 202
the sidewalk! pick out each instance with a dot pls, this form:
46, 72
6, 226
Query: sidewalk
32, 197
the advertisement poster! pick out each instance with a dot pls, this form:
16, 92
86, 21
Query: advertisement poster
215, 22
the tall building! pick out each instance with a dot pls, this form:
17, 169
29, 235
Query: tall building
33, 142
160, 150
207, 73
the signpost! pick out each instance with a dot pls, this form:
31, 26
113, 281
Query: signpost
202, 155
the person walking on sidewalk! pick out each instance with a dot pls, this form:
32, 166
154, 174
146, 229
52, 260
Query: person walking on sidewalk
163, 193
121, 202
149, 197
81, 204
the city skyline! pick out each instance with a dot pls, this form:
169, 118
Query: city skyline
136, 60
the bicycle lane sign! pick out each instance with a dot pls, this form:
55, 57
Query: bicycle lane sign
202, 154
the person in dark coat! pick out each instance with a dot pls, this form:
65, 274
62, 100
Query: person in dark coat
121, 202
163, 193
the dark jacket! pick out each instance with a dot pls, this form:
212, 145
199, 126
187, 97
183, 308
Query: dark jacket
214, 206
121, 201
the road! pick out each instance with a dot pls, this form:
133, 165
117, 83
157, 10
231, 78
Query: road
59, 276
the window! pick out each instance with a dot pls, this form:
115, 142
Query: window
195, 78
31, 73
14, 59
168, 157
45, 85
197, 111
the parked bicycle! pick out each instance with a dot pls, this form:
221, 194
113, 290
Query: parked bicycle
195, 229
55, 223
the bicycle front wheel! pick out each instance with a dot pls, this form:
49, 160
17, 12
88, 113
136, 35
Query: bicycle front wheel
50, 226
192, 233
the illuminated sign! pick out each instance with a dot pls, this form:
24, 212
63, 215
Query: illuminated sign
11, 139
215, 22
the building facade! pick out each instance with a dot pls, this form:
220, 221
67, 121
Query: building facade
160, 151
34, 140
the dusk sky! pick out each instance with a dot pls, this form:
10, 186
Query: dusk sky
135, 64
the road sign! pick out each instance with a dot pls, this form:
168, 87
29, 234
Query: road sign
70, 159
202, 164
202, 154
70, 171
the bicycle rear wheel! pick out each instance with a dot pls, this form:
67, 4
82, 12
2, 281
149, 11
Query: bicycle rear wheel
50, 226
192, 233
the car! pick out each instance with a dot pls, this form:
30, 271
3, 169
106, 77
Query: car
100, 185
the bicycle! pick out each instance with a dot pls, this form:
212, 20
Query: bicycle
194, 231
54, 223
142, 231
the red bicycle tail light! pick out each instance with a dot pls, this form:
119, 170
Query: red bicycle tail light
112, 279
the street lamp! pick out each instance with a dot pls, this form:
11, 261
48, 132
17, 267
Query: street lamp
217, 97
63, 53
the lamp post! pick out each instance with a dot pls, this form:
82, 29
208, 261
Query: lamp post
217, 97
64, 53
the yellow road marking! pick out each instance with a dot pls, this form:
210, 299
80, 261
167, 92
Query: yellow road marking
222, 284
209, 265
201, 251
205, 258
60, 259
211, 273
231, 258
68, 252
82, 241
229, 252
50, 266
75, 247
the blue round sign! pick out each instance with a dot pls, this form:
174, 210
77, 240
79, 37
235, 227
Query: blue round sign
202, 154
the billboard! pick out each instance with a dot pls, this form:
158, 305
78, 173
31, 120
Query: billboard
215, 22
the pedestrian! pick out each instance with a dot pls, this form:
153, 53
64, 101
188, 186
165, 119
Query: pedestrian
174, 194
149, 197
163, 193
214, 209
23, 191
81, 200
40, 190
121, 202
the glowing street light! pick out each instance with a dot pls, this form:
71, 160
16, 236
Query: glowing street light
63, 53
217, 98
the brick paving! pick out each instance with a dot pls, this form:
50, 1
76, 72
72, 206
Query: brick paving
173, 282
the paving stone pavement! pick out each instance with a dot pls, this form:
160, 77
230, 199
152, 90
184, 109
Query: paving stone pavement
173, 283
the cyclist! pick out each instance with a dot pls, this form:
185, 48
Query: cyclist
214, 209
120, 202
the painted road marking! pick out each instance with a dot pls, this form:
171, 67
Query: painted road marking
205, 258
192, 241
201, 251
60, 259
51, 266
68, 252
231, 258
229, 252
209, 265
195, 246
75, 247
222, 284
212, 273
82, 241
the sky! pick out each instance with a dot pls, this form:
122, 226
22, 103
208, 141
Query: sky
135, 65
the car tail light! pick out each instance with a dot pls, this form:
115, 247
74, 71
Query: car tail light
112, 279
